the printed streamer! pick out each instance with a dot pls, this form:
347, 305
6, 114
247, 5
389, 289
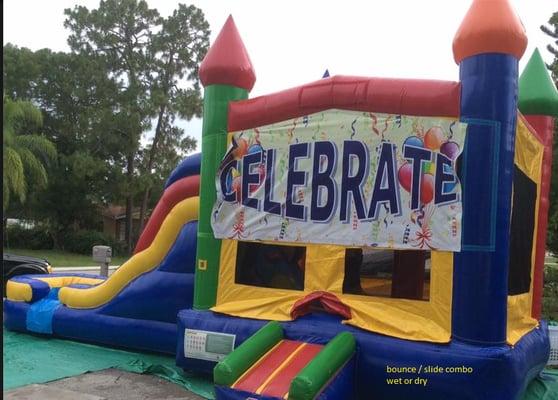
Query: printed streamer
344, 177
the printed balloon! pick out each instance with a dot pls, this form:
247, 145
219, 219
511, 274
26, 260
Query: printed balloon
413, 141
255, 148
261, 171
241, 149
428, 168
237, 188
448, 186
434, 138
405, 176
426, 188
228, 181
450, 149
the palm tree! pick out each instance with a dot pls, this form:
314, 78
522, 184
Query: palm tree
24, 153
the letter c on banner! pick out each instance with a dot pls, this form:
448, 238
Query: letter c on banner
223, 178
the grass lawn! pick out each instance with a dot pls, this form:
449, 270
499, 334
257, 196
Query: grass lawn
58, 258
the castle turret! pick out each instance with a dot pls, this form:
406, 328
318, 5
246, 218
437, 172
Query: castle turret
487, 47
538, 101
227, 75
537, 93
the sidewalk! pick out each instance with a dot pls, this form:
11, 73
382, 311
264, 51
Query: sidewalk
95, 268
84, 270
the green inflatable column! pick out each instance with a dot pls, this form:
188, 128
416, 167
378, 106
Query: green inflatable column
227, 75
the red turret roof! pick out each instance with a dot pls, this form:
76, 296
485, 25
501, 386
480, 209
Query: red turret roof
490, 26
227, 61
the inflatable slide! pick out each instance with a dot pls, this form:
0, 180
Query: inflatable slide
137, 305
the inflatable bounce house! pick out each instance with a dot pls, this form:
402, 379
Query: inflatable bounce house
353, 237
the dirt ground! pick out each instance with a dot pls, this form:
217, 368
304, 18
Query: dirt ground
108, 384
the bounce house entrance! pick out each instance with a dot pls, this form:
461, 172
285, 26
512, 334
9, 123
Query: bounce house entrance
268, 366
272, 374
320, 302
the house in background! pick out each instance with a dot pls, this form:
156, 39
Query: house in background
22, 223
114, 222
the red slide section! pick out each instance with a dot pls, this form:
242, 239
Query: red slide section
279, 385
178, 191
381, 95
272, 375
254, 377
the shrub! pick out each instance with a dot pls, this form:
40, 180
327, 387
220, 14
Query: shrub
37, 238
552, 240
119, 248
82, 242
550, 294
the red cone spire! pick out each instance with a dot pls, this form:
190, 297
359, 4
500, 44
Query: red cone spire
490, 26
227, 61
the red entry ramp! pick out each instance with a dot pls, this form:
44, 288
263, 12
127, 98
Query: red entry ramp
272, 374
269, 367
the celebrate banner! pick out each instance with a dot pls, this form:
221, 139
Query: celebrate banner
344, 177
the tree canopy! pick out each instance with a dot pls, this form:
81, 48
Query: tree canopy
112, 106
24, 152
146, 55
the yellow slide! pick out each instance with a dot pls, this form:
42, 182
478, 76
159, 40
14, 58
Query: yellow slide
140, 263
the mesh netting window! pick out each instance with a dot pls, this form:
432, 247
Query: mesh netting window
522, 231
388, 273
272, 266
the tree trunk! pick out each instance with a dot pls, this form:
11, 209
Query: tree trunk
129, 204
156, 138
143, 209
5, 229
151, 159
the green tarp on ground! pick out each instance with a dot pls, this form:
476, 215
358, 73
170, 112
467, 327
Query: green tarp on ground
545, 387
32, 359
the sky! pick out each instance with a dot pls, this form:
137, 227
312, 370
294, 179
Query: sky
292, 42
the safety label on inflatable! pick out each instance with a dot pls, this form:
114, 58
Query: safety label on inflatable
205, 345
344, 177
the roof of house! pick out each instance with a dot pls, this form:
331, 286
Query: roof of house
119, 212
